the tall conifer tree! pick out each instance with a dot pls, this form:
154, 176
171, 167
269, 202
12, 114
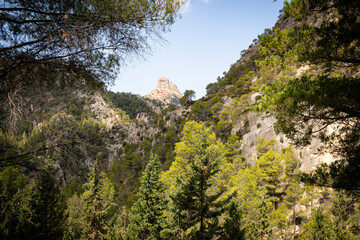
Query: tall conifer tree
47, 206
98, 213
146, 216
196, 206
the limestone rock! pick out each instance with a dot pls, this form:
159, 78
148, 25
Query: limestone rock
166, 92
262, 125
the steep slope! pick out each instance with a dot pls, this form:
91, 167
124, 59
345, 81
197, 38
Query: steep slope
237, 91
226, 149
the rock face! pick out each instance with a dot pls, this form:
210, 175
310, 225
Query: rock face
166, 92
262, 125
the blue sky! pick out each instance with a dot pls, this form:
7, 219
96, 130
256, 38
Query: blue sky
201, 45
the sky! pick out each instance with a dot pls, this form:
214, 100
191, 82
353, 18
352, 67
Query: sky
201, 45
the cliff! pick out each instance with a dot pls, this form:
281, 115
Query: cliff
165, 91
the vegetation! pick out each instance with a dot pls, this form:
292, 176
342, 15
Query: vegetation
308, 106
194, 209
188, 97
146, 216
73, 43
95, 218
79, 164
130, 103
79, 32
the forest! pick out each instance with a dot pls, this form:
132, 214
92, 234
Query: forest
78, 161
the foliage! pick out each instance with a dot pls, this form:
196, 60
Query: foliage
240, 71
61, 125
188, 97
97, 213
47, 208
211, 89
63, 131
200, 111
319, 227
233, 229
195, 204
336, 40
13, 208
284, 46
146, 216
268, 190
329, 106
324, 105
212, 192
242, 85
130, 103
197, 136
31, 211
232, 114
263, 146
326, 32
236, 81
270, 172
74, 43
125, 172
80, 33
342, 207
326, 96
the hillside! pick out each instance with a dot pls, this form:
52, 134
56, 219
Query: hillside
271, 151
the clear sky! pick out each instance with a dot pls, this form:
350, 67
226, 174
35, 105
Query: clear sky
201, 45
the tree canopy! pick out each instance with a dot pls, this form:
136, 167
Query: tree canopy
188, 97
323, 103
91, 34
324, 32
146, 216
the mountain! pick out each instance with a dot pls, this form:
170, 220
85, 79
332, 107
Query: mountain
165, 91
271, 151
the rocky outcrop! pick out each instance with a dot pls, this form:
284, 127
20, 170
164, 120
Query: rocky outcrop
262, 125
166, 92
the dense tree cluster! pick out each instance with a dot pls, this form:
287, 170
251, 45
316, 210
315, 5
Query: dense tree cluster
326, 34
69, 173
130, 103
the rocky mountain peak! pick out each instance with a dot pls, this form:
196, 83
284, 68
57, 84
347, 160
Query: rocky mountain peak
166, 92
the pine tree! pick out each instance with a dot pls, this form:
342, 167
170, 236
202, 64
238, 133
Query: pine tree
258, 221
319, 227
47, 206
97, 214
14, 200
146, 216
270, 167
292, 176
196, 209
341, 207
233, 229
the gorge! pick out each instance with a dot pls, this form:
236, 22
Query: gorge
270, 152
